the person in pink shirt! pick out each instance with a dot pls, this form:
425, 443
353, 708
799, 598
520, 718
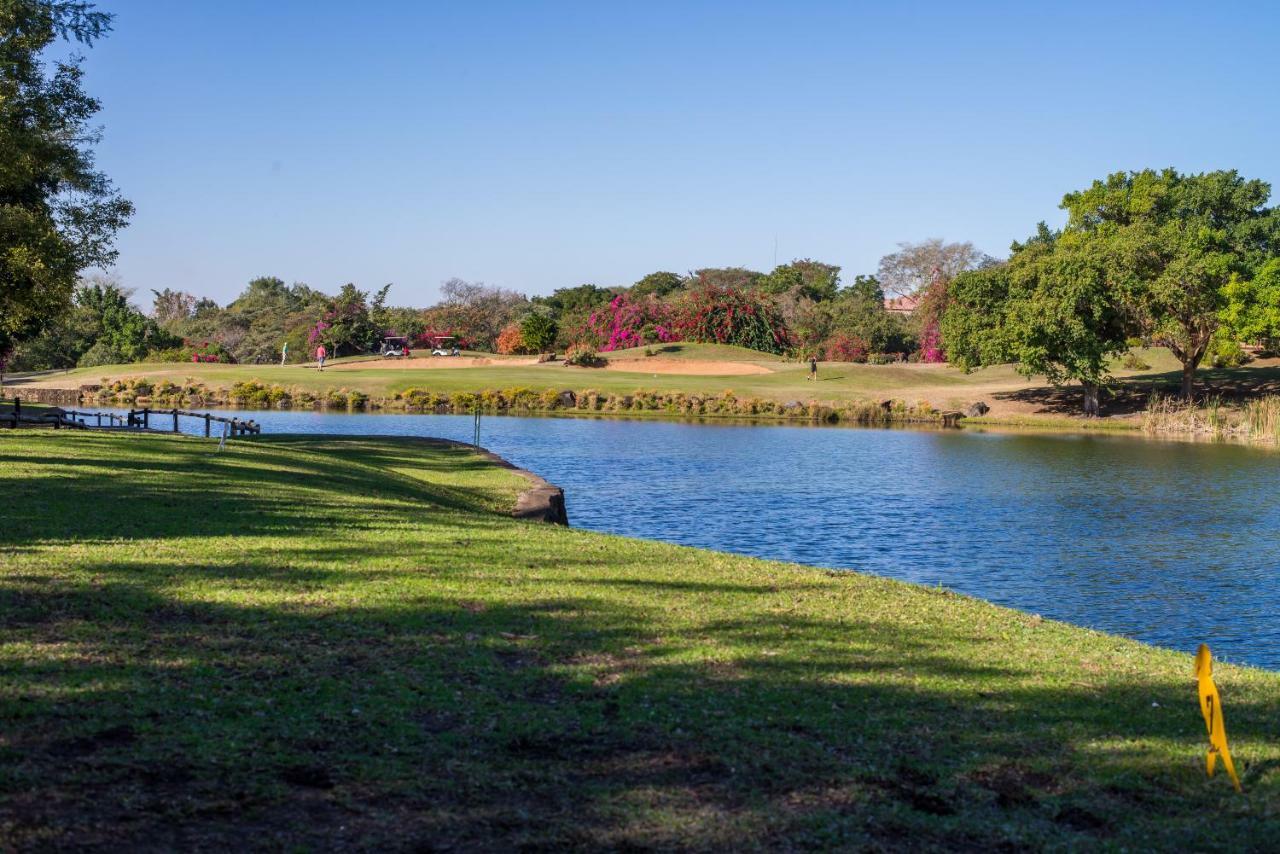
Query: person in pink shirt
320, 354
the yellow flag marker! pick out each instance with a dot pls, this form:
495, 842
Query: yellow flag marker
1211, 708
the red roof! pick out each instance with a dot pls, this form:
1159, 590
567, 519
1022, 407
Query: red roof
903, 305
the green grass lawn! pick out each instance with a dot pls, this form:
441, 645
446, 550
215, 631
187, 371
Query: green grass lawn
305, 643
944, 386
787, 382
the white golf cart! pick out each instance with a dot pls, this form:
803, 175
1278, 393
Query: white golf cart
444, 345
396, 347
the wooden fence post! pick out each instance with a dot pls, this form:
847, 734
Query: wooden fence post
175, 419
206, 425
146, 418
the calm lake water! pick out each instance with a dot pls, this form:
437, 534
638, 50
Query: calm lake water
1172, 543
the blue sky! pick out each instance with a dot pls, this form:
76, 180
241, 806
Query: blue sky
541, 145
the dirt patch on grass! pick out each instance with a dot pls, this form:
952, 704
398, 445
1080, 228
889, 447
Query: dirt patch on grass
688, 367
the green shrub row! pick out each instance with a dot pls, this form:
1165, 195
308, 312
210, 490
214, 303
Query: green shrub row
253, 394
674, 403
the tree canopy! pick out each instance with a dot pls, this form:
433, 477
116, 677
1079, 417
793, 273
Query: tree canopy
1052, 309
916, 265
1178, 240
803, 278
58, 213
659, 284
101, 328
1251, 305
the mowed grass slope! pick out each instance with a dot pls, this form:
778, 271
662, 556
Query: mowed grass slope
312, 643
942, 385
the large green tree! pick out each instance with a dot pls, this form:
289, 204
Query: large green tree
1181, 239
346, 328
123, 334
803, 279
1054, 309
579, 298
726, 277
865, 288
659, 284
58, 213
538, 329
101, 328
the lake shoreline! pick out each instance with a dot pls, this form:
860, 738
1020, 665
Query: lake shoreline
1117, 426
1256, 423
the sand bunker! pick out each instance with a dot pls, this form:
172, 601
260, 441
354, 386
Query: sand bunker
650, 365
689, 367
418, 363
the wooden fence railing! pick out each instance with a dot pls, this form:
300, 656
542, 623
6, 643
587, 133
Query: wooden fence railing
142, 418
165, 420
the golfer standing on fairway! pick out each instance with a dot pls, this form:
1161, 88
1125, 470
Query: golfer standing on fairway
320, 354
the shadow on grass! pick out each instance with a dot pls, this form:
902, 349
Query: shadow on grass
439, 720
1131, 394
190, 490
477, 686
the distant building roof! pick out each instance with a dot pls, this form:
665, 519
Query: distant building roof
902, 305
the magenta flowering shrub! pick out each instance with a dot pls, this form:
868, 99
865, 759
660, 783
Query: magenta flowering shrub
843, 347
205, 351
745, 318
628, 322
931, 344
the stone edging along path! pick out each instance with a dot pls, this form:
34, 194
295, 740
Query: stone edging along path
541, 502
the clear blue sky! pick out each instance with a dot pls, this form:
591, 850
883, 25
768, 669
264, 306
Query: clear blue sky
540, 145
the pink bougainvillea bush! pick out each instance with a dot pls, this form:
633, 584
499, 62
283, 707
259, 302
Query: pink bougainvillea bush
727, 315
842, 347
316, 334
630, 322
931, 344
205, 351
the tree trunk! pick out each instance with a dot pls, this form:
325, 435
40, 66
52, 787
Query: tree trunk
1191, 354
1091, 407
1188, 380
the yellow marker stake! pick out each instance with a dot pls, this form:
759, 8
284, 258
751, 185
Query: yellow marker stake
1211, 708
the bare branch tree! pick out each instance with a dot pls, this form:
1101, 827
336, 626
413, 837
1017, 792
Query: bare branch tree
917, 265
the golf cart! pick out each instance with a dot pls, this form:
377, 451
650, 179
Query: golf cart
396, 347
444, 345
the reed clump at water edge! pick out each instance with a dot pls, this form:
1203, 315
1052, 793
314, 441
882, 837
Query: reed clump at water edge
1257, 420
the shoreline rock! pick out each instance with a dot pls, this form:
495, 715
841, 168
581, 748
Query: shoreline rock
543, 501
